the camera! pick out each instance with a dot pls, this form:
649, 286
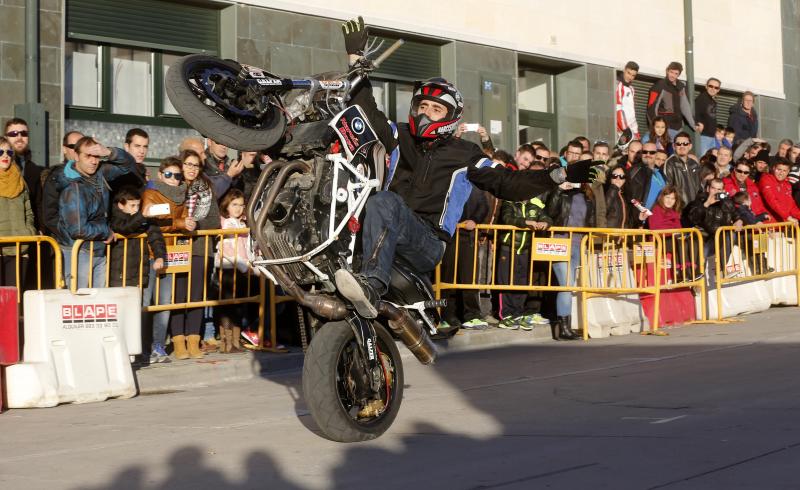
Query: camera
723, 195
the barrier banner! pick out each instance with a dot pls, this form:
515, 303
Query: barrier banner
760, 243
645, 253
551, 249
179, 259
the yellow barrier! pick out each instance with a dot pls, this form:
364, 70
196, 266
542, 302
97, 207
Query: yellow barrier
179, 250
605, 260
683, 263
748, 252
22, 253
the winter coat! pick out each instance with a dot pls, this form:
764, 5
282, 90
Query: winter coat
669, 101
757, 204
83, 201
664, 219
559, 206
748, 217
745, 126
705, 112
51, 177
684, 176
158, 193
517, 213
32, 174
618, 213
778, 197
131, 258
709, 219
16, 219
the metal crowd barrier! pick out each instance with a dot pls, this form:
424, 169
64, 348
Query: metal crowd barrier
608, 262
179, 261
47, 261
683, 263
764, 251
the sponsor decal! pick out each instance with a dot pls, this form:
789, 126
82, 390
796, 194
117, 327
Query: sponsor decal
558, 249
358, 125
179, 258
331, 84
268, 81
100, 315
551, 249
370, 350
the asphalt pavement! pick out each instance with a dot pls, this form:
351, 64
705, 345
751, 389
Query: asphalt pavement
706, 407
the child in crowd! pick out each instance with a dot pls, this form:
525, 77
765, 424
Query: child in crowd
233, 258
719, 137
730, 135
744, 209
129, 261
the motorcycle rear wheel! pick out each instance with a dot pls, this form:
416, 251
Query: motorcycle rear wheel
326, 381
211, 114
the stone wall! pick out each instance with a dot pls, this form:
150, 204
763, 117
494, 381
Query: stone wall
51, 54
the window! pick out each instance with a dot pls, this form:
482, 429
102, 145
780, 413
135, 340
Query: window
83, 81
118, 83
535, 101
393, 98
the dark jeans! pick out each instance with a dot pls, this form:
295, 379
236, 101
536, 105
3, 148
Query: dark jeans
392, 228
512, 303
190, 320
466, 300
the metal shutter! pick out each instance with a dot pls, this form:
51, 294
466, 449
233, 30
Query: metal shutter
414, 60
152, 24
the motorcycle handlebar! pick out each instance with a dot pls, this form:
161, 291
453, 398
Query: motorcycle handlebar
375, 64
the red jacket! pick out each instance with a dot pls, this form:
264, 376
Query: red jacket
778, 197
732, 187
664, 219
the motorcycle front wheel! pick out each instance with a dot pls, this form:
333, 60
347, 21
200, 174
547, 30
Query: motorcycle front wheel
205, 92
332, 384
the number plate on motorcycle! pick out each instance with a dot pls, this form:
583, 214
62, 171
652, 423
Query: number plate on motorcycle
353, 129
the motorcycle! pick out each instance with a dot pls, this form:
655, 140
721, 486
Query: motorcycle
304, 218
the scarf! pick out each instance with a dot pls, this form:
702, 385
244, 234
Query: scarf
11, 183
175, 193
200, 191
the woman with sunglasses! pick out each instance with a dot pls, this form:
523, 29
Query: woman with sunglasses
163, 202
618, 211
202, 208
16, 216
739, 180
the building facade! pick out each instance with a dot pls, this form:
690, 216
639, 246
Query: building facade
528, 69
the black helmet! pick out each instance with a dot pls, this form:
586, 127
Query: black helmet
441, 91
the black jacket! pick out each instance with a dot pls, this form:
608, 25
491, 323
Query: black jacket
705, 111
50, 193
136, 179
745, 126
425, 170
126, 224
559, 205
618, 211
638, 182
708, 219
684, 176
32, 175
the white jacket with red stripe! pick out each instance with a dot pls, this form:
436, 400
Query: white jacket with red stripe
625, 110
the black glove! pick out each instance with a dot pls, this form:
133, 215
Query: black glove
584, 171
355, 36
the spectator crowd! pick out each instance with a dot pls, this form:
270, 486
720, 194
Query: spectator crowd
654, 179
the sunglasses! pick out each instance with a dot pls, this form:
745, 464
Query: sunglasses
539, 157
71, 146
713, 87
618, 176
14, 134
10, 153
743, 172
682, 143
173, 175
649, 152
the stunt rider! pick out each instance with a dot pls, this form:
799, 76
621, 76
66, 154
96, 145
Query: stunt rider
419, 213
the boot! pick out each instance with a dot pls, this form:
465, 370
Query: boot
193, 344
236, 346
179, 347
575, 333
563, 332
555, 325
225, 335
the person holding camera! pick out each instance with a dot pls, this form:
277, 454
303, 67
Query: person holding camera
712, 209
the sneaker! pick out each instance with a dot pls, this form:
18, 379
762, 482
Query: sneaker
525, 323
510, 323
445, 327
251, 337
158, 354
475, 324
358, 290
538, 319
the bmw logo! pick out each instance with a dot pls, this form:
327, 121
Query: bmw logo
358, 125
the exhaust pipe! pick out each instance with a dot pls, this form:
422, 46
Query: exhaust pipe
409, 332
